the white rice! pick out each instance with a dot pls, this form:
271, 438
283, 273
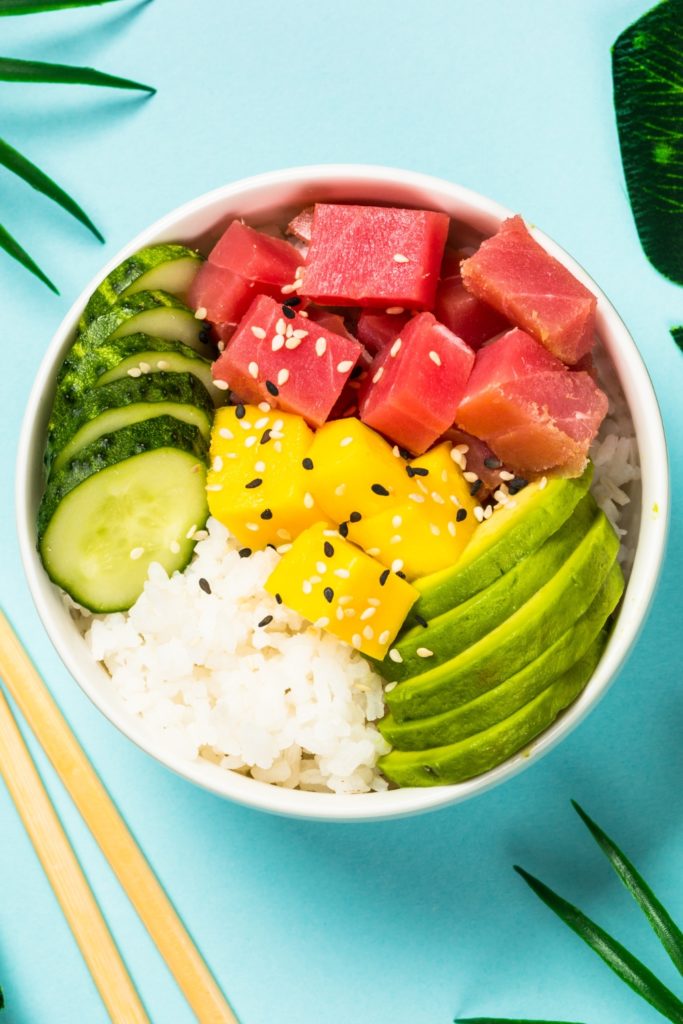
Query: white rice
286, 703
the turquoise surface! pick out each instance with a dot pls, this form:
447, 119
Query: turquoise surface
414, 921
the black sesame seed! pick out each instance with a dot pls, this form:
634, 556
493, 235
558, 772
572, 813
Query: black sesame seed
266, 620
256, 482
421, 621
410, 471
380, 489
355, 517
294, 301
307, 463
404, 453
384, 576
418, 471
266, 514
272, 389
328, 594
278, 598
475, 487
288, 312
240, 411
204, 585
271, 546
492, 462
265, 436
244, 552
518, 484
343, 529
461, 515
328, 549
401, 574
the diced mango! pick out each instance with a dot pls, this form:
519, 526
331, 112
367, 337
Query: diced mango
429, 531
355, 471
341, 589
258, 484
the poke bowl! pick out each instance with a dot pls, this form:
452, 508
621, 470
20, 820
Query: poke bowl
385, 492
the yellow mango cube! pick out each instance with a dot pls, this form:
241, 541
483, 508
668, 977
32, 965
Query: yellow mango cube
341, 589
258, 483
355, 471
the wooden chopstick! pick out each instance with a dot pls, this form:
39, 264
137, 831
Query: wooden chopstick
65, 875
110, 832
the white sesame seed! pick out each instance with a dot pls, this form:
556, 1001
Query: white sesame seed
293, 343
373, 552
258, 332
253, 370
396, 539
345, 365
222, 385
245, 424
501, 496
368, 632
280, 326
458, 458
321, 622
374, 601
543, 483
463, 448
435, 358
264, 407
506, 475
395, 655
162, 364
321, 567
135, 371
378, 375
394, 310
283, 534
470, 476
308, 500
418, 498
136, 553
230, 455
287, 289
390, 686
214, 487
250, 441
488, 512
220, 345
367, 614
299, 334
191, 532
396, 521
395, 348
339, 491
479, 514
343, 574
145, 367
330, 533
217, 464
252, 526
277, 343
299, 272
434, 529
225, 433
289, 332
320, 346
278, 446
303, 313
261, 423
424, 652
278, 425
511, 504
282, 376
201, 535
438, 498
397, 565
400, 258
339, 613
345, 441
200, 313
174, 547
307, 586
260, 466
444, 476
452, 528
356, 640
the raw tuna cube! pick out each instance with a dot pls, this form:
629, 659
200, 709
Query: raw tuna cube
374, 256
331, 321
468, 317
224, 296
478, 459
530, 409
302, 225
294, 364
515, 275
255, 256
377, 330
414, 386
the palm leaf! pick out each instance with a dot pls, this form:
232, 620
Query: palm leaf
19, 165
14, 70
507, 1020
12, 247
677, 335
647, 72
617, 957
10, 7
664, 927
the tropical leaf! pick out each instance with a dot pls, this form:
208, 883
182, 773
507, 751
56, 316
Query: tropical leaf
14, 70
10, 7
647, 71
663, 925
677, 335
19, 165
13, 249
617, 957
507, 1020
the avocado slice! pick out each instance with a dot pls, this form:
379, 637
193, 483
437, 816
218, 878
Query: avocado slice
498, 704
485, 750
499, 543
518, 640
468, 622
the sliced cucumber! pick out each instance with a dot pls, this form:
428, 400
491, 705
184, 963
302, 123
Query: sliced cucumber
156, 313
170, 268
182, 360
130, 400
129, 499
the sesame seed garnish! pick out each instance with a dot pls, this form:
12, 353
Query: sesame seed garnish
200, 313
543, 483
518, 483
345, 441
322, 622
476, 486
470, 476
378, 375
395, 348
320, 346
201, 535
204, 585
308, 500
461, 515
340, 490
321, 567
492, 462
418, 498
256, 482
343, 574
250, 441
488, 512
396, 521
424, 652
287, 289
162, 364
135, 371
396, 539
293, 342
267, 514
417, 471
307, 463
240, 411
222, 385
136, 553
479, 514
226, 434
345, 365
506, 475
245, 425
145, 367
214, 487
191, 532
379, 489
288, 312
265, 437
501, 496
339, 613
373, 552
437, 498
397, 565
307, 586
383, 577
400, 258
254, 527
303, 313
435, 358
258, 332
328, 594
278, 598
356, 640
272, 389
282, 376
343, 529
367, 614
277, 343
355, 517
394, 310
283, 549
280, 326
328, 549
174, 547
253, 369
395, 655
451, 528
244, 552
266, 620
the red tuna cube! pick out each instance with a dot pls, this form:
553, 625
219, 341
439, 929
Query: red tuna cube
301, 226
374, 256
222, 295
530, 409
515, 275
414, 386
377, 330
294, 364
255, 256
471, 319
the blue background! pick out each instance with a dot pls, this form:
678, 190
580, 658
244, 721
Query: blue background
418, 920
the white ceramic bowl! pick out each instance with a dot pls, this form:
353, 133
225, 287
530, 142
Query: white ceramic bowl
261, 199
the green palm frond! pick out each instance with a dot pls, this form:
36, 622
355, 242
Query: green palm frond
19, 165
11, 7
14, 70
13, 249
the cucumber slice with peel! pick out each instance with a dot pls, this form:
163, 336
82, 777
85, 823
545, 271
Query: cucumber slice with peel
129, 499
165, 267
156, 313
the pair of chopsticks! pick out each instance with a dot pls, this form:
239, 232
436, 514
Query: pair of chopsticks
110, 832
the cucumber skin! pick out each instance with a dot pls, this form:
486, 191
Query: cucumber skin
110, 449
127, 273
100, 330
149, 388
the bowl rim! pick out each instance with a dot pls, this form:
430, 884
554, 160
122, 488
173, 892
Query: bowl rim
650, 546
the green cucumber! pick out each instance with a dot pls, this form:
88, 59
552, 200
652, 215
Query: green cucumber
129, 499
156, 313
164, 267
129, 400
